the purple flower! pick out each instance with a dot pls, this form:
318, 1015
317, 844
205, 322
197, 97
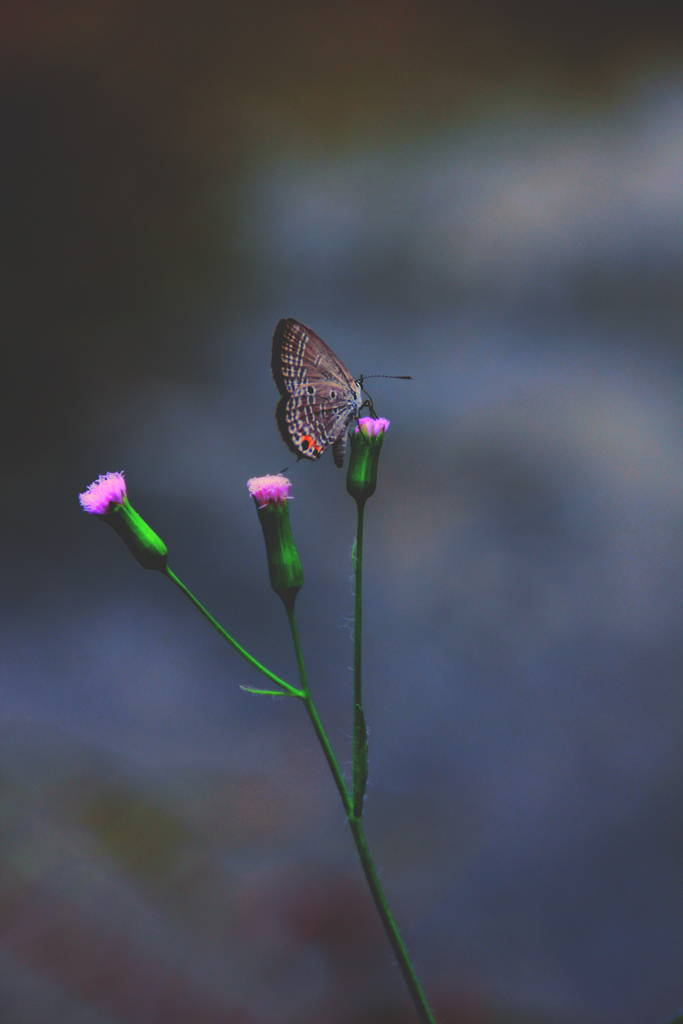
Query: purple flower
265, 489
372, 426
107, 490
107, 498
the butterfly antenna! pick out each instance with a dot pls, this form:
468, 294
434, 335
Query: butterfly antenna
368, 401
390, 376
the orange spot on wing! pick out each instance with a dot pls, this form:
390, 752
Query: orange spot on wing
310, 443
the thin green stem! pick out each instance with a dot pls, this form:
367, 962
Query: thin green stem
291, 690
294, 629
397, 944
355, 824
337, 775
359, 735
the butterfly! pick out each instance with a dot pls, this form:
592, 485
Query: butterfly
319, 395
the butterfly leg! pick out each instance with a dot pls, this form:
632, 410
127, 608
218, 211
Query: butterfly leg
367, 404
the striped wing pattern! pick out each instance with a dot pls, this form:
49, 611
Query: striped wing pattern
319, 395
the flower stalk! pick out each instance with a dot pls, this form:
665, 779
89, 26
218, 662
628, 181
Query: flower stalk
107, 499
273, 493
361, 483
288, 689
355, 824
360, 733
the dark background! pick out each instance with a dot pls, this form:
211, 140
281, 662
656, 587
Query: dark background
487, 196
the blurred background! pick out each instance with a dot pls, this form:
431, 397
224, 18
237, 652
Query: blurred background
487, 196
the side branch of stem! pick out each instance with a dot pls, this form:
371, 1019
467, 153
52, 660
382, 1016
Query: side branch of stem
291, 690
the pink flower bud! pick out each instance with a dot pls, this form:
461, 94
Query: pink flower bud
271, 497
265, 489
107, 499
372, 426
366, 444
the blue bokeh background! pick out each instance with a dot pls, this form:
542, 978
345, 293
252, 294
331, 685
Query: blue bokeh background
490, 200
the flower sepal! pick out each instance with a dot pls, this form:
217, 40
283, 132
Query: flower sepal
140, 539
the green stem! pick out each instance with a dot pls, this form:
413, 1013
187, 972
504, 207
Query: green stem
397, 944
355, 824
423, 1011
337, 775
359, 736
291, 690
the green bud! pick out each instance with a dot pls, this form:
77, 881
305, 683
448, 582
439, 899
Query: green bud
366, 444
141, 540
271, 497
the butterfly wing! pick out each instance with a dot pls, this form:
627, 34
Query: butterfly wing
319, 395
310, 423
300, 357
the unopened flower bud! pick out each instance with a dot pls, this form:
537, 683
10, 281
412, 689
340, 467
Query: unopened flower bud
271, 497
366, 444
106, 498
